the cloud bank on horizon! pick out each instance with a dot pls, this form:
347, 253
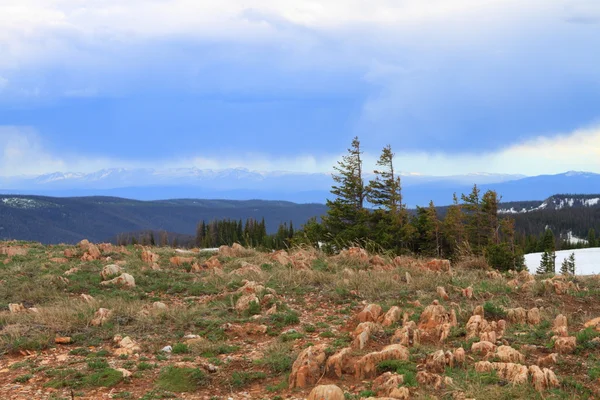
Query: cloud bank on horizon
455, 86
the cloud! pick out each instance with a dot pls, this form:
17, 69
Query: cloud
22, 152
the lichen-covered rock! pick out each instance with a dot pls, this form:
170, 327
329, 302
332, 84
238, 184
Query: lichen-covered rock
435, 322
516, 315
308, 367
467, 292
438, 265
366, 366
593, 323
16, 308
178, 261
437, 361
460, 356
533, 316
245, 301
127, 346
149, 257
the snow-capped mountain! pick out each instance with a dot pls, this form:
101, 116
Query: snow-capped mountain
557, 202
241, 183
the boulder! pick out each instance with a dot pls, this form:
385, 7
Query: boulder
388, 385
460, 356
593, 323
124, 280
308, 367
560, 327
326, 392
281, 257
542, 379
565, 345
533, 316
12, 251
428, 379
392, 316
149, 257
516, 315
547, 361
508, 354
243, 303
484, 348
371, 313
339, 363
437, 361
377, 260
110, 270
409, 335
363, 333
514, 373
435, 322
366, 366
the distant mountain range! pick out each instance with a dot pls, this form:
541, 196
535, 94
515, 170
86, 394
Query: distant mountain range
69, 220
242, 184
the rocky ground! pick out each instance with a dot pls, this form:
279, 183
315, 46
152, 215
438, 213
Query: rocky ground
100, 322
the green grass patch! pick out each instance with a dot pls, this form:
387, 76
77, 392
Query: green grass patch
179, 380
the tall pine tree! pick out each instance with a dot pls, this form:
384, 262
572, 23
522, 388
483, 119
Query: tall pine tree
346, 217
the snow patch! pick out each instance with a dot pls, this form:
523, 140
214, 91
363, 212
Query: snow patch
17, 202
587, 261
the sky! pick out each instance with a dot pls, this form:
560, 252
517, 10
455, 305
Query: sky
454, 86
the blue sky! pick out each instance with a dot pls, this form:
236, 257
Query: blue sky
455, 86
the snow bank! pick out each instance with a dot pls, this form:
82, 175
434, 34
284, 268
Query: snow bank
587, 261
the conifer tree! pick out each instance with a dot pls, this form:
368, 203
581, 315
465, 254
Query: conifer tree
345, 219
453, 227
472, 206
591, 238
385, 191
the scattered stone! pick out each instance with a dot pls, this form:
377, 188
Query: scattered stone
87, 298
371, 313
326, 392
339, 363
363, 333
484, 348
159, 305
409, 335
433, 380
533, 316
442, 293
392, 316
62, 340
15, 308
565, 345
244, 302
126, 346
126, 374
101, 316
308, 367
593, 323
514, 373
408, 278
542, 379
366, 366
124, 280
560, 327
547, 361
508, 354
388, 384
438, 265
179, 261
468, 292
110, 270
167, 349
149, 257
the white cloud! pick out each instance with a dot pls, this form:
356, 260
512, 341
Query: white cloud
22, 152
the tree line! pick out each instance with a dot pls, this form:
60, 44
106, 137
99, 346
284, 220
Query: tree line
373, 213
